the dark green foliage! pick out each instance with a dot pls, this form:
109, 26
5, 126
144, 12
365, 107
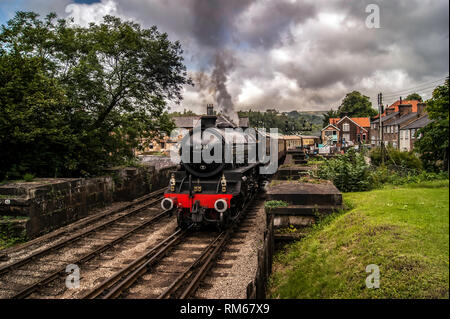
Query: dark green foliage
356, 105
396, 160
28, 177
287, 122
275, 203
414, 96
75, 100
348, 172
328, 115
382, 175
434, 143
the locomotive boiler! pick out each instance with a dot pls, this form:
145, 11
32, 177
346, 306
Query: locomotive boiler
218, 173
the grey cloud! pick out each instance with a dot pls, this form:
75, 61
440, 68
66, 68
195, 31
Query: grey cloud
322, 62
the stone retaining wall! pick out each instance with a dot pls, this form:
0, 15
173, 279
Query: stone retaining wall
257, 288
49, 203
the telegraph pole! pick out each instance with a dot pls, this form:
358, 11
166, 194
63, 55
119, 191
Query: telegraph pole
380, 130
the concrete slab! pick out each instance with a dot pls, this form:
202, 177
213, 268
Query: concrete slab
297, 193
293, 172
305, 210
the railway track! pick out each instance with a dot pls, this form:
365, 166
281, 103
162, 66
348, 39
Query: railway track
174, 268
104, 232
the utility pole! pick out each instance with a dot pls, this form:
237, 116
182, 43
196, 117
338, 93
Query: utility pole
380, 129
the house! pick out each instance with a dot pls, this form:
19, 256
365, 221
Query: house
330, 135
399, 114
346, 131
408, 132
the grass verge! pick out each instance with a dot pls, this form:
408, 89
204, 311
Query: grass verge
402, 229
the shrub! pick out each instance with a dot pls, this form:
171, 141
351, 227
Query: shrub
396, 159
382, 175
348, 172
275, 203
28, 177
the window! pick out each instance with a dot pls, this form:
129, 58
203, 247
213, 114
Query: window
346, 127
334, 132
401, 134
346, 137
413, 132
407, 135
395, 129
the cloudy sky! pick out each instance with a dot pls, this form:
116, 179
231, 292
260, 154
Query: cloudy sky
286, 54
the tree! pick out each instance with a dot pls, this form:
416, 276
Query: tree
356, 105
434, 143
105, 86
414, 96
329, 115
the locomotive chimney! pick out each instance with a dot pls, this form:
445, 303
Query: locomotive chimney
209, 109
208, 120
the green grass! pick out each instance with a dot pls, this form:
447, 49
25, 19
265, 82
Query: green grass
402, 229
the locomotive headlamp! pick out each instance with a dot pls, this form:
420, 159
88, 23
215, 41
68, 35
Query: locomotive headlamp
223, 182
221, 205
167, 204
172, 183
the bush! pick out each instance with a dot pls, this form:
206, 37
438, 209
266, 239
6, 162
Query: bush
348, 172
28, 177
396, 159
382, 175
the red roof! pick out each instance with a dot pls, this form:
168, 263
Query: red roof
361, 121
397, 103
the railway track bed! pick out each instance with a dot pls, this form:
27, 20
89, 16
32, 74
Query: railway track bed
34, 267
144, 255
188, 264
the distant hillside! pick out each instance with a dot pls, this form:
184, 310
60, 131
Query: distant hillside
292, 122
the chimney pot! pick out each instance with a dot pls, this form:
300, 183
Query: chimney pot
404, 109
421, 107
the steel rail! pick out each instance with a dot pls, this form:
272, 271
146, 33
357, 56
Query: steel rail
190, 276
76, 237
188, 273
147, 259
32, 288
83, 222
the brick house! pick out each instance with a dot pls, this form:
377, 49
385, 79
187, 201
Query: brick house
347, 131
399, 114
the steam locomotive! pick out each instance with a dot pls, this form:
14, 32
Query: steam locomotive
214, 192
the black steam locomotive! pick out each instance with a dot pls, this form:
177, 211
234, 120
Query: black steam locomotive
215, 191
